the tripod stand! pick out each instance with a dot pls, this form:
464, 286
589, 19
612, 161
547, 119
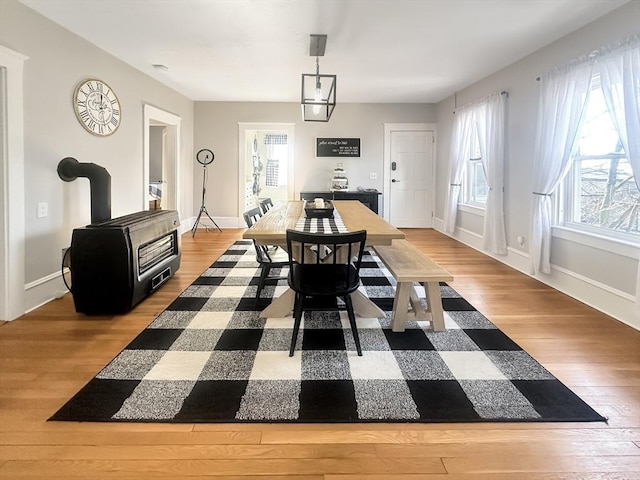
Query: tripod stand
203, 208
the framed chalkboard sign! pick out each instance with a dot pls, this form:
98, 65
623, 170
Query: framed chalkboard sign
337, 147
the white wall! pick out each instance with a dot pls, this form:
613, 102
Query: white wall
602, 275
216, 127
156, 140
58, 60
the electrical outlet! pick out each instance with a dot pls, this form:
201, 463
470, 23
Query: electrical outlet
43, 210
373, 176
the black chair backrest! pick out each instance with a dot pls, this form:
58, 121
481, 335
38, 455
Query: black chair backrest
266, 204
326, 248
251, 216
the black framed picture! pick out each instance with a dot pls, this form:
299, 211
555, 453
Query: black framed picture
337, 147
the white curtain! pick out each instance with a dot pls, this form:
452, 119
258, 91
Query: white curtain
460, 145
620, 81
563, 97
490, 118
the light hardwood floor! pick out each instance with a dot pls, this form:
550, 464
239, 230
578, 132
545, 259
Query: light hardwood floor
49, 354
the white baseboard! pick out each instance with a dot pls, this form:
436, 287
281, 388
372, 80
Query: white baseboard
43, 290
615, 303
223, 222
185, 225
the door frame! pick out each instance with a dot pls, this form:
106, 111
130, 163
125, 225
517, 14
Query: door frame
389, 128
12, 201
156, 116
243, 127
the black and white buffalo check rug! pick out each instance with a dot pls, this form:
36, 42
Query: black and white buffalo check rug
210, 358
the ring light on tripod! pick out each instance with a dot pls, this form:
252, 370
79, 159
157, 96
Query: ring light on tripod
204, 156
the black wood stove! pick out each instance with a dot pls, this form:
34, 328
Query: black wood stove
116, 263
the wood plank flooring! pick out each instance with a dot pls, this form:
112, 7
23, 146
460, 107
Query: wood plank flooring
49, 354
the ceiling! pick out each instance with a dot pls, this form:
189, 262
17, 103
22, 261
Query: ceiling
383, 51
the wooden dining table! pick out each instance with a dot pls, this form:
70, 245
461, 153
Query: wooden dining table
271, 229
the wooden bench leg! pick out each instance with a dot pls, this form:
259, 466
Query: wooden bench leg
400, 312
405, 296
416, 304
434, 304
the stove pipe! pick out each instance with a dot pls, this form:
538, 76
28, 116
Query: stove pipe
100, 183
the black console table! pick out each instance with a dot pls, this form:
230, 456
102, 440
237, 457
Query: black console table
370, 199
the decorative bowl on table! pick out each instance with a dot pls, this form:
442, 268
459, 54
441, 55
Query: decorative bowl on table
313, 209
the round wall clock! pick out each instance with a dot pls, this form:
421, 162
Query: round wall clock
97, 107
204, 156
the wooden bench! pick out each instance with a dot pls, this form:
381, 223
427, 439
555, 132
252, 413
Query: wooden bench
408, 265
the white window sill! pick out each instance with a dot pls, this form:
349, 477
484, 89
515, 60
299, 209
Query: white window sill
471, 209
614, 245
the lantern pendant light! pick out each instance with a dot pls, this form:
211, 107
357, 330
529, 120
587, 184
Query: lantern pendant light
318, 90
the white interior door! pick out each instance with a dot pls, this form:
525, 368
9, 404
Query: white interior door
410, 174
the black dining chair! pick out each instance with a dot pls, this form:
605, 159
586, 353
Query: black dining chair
267, 256
265, 205
324, 265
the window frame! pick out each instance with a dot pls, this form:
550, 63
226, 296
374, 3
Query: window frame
570, 188
471, 164
565, 208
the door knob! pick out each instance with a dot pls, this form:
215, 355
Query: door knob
393, 180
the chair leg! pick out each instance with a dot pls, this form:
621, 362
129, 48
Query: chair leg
264, 273
297, 315
352, 321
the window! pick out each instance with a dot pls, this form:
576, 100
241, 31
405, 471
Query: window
277, 159
601, 195
479, 127
278, 156
474, 181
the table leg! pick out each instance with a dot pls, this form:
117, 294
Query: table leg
281, 306
364, 307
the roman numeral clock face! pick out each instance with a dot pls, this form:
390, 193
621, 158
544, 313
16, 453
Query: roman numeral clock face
97, 107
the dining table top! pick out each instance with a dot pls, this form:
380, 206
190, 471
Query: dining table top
271, 228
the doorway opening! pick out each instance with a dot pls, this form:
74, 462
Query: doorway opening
12, 186
266, 163
161, 179
157, 176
